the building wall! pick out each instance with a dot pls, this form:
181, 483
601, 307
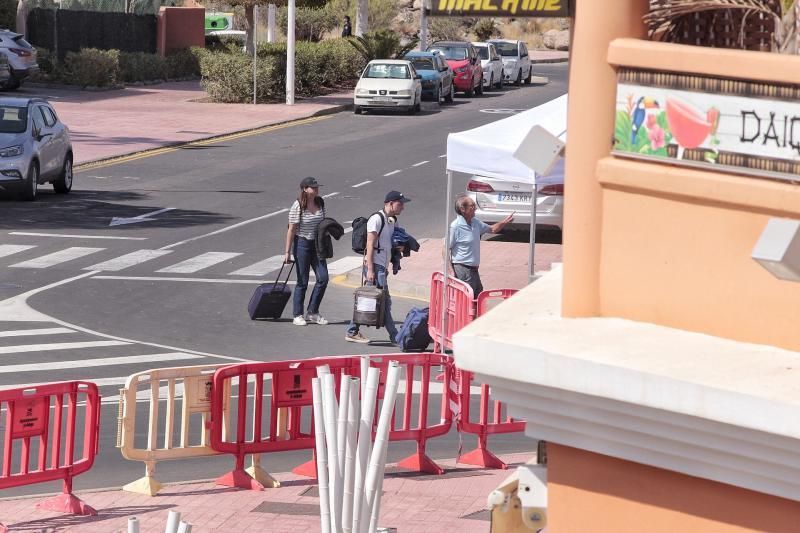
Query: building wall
591, 492
179, 28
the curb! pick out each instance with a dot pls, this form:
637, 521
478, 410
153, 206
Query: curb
87, 165
399, 289
552, 60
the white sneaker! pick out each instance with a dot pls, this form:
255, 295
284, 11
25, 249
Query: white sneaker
299, 321
316, 318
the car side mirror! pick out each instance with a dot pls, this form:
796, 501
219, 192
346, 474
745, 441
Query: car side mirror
417, 76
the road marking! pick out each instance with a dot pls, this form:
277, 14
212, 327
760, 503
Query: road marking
392, 173
261, 268
420, 163
345, 264
194, 280
38, 331
128, 260
330, 195
200, 262
442, 156
23, 348
62, 256
77, 236
100, 382
357, 185
106, 361
227, 228
222, 138
145, 217
9, 249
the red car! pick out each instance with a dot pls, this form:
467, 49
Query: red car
466, 64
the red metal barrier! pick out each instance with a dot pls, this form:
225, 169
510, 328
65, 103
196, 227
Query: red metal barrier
460, 310
290, 390
29, 422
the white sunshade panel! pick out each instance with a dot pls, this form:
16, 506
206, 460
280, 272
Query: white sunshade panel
489, 149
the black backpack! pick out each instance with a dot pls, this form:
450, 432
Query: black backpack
360, 233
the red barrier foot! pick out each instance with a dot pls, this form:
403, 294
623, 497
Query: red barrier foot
239, 479
419, 462
482, 457
67, 503
3, 529
307, 469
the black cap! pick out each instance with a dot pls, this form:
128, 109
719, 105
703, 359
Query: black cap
309, 182
395, 196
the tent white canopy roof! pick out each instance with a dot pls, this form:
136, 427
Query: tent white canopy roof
489, 150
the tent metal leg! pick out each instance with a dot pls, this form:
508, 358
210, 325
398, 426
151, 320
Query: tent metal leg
446, 256
534, 199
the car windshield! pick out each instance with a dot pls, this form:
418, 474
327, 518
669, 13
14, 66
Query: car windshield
423, 63
451, 52
13, 119
483, 52
385, 70
506, 49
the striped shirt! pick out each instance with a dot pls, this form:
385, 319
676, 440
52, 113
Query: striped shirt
307, 223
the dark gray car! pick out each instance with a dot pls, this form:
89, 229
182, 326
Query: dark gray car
35, 147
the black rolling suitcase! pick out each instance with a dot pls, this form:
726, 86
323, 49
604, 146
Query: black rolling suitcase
269, 300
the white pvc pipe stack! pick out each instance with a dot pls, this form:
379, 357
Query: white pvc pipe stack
173, 520
184, 527
322, 457
341, 426
133, 525
329, 413
353, 413
364, 442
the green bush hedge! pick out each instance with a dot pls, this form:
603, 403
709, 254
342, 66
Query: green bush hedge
8, 14
228, 77
92, 67
138, 66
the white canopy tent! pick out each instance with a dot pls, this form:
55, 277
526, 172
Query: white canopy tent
489, 151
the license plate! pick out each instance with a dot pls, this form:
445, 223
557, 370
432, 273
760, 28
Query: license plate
503, 197
383, 98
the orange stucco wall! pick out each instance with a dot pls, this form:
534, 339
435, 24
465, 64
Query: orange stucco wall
179, 28
594, 493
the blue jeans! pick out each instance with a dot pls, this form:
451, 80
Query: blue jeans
305, 255
381, 279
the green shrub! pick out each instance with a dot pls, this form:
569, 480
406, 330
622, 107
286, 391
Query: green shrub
381, 44
45, 59
183, 64
311, 24
485, 29
92, 67
446, 29
8, 14
138, 66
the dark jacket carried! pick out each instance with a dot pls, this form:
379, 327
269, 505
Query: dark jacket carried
327, 228
404, 241
347, 30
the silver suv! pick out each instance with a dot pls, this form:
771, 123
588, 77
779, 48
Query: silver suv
35, 147
21, 58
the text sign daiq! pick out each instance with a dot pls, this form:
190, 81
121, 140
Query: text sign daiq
726, 125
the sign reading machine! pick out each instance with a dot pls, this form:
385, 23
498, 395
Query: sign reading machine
500, 8
727, 125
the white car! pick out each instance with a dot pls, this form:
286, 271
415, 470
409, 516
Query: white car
21, 57
497, 198
388, 84
491, 64
517, 64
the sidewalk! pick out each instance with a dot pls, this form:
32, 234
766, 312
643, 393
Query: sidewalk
412, 502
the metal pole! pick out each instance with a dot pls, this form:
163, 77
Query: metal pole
271, 13
531, 274
255, 53
423, 26
446, 254
290, 54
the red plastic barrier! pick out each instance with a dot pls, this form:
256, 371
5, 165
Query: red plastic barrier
460, 310
487, 296
28, 421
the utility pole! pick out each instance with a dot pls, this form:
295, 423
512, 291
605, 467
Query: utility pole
423, 26
362, 13
271, 14
290, 54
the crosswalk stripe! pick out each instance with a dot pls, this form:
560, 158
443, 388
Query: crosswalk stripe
106, 361
128, 260
345, 264
38, 331
9, 249
261, 268
100, 382
62, 256
198, 263
58, 346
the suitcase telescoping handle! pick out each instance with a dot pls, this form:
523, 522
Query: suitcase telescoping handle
280, 274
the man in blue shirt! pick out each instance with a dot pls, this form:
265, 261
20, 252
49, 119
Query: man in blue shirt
465, 241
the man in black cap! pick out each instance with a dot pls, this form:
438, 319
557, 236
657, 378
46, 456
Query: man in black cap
377, 256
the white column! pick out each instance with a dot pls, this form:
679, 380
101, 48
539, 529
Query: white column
290, 55
271, 14
423, 26
362, 13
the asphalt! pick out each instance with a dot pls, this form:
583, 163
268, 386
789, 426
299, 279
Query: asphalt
120, 125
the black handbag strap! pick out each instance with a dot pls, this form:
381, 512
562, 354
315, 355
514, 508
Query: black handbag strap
280, 274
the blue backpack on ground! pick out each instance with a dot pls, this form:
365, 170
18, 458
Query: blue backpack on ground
413, 334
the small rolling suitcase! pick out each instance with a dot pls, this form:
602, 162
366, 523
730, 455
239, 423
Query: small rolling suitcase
369, 306
269, 300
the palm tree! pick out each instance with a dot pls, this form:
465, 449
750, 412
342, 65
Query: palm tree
382, 44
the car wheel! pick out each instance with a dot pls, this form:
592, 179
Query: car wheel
12, 84
499, 82
357, 109
63, 184
32, 187
437, 96
479, 88
530, 75
449, 97
469, 93
491, 82
518, 81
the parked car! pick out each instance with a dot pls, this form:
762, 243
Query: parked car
21, 58
517, 64
5, 70
437, 76
388, 84
498, 198
35, 147
492, 65
463, 59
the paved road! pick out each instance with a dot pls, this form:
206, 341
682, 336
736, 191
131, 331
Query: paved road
82, 299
